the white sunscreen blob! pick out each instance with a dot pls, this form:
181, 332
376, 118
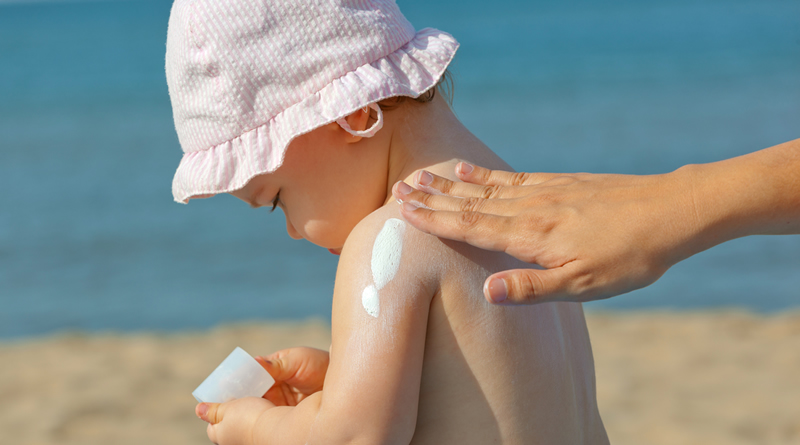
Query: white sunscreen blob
369, 298
386, 253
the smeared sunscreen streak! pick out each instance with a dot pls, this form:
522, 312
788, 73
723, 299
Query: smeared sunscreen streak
386, 253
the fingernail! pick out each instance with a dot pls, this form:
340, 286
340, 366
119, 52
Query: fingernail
409, 207
202, 410
496, 290
465, 168
403, 188
424, 178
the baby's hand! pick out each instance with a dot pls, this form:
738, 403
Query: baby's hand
298, 373
232, 423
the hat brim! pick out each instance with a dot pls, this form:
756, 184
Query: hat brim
409, 71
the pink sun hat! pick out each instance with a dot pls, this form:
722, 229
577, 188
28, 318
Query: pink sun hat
246, 77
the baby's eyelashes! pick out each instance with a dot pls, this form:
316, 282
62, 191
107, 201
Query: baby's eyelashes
275, 201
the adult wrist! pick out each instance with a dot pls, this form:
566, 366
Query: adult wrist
754, 194
712, 207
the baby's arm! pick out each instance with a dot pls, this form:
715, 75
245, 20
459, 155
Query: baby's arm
371, 390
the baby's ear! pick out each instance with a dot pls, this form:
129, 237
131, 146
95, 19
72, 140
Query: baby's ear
357, 121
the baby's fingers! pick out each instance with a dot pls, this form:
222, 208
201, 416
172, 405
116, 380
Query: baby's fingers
297, 365
277, 395
210, 412
483, 176
211, 432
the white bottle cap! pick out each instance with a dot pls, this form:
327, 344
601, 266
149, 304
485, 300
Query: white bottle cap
239, 375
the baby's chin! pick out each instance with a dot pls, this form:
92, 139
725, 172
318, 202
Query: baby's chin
330, 244
333, 250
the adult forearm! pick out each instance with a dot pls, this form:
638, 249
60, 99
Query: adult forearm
758, 193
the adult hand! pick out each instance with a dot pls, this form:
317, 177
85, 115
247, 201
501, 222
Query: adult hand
298, 373
602, 235
595, 235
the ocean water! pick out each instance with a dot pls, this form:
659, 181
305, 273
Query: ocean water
91, 240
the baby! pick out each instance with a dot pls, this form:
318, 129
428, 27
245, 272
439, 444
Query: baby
320, 108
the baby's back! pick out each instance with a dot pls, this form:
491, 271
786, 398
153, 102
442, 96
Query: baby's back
493, 374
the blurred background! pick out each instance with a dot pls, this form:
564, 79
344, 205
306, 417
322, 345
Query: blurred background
91, 240
115, 302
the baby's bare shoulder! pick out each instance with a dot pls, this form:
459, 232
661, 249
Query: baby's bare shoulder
386, 245
383, 222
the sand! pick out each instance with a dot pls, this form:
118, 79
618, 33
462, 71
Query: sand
663, 378
731, 378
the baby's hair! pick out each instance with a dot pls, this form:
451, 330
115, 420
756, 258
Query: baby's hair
444, 86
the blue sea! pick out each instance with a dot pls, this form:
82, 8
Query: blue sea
91, 240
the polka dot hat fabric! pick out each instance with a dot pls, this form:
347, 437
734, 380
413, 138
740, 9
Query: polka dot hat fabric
246, 77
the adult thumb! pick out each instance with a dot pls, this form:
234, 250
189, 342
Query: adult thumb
525, 286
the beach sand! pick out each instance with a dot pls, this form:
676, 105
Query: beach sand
662, 378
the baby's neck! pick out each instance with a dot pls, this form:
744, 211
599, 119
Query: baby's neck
429, 136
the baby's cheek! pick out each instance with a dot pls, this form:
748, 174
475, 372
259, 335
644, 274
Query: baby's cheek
330, 223
325, 233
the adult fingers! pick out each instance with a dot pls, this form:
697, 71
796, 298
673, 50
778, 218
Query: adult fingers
528, 286
478, 175
437, 185
486, 231
210, 412
405, 193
